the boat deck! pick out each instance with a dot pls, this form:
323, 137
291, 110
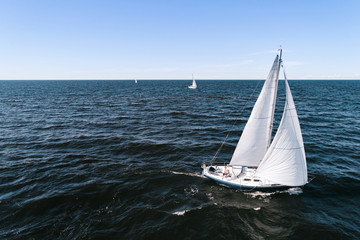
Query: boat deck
239, 177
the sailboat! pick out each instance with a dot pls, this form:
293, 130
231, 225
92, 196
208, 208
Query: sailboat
135, 80
257, 163
193, 85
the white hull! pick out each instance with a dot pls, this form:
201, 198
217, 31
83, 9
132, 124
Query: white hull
192, 87
239, 177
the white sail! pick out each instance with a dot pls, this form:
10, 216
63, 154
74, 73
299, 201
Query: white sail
256, 137
285, 161
193, 85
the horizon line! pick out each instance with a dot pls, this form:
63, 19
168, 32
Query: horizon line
176, 79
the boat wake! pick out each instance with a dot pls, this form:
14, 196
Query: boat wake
182, 212
188, 174
192, 190
294, 191
290, 191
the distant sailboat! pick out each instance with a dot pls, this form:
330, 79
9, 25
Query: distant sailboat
193, 85
256, 164
135, 80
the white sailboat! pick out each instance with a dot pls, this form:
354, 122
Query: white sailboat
257, 163
135, 80
193, 85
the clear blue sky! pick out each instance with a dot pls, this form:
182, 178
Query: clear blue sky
151, 39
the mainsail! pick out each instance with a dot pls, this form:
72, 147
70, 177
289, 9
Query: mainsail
256, 137
285, 161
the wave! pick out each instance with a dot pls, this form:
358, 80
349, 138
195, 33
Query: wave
108, 160
182, 212
290, 191
188, 174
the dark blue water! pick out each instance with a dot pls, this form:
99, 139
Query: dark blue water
118, 160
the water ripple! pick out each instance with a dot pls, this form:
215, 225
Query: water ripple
115, 160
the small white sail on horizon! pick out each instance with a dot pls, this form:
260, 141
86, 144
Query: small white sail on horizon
135, 80
258, 163
193, 85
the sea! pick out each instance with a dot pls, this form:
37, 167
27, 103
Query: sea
118, 160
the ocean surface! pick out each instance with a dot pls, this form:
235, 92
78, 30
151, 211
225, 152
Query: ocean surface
119, 160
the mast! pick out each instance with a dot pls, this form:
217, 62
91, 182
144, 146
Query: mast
274, 101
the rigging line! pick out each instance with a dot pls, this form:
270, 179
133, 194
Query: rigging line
222, 144
311, 179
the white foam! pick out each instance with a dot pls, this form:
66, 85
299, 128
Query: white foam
180, 213
294, 191
210, 196
260, 194
192, 190
188, 174
290, 191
